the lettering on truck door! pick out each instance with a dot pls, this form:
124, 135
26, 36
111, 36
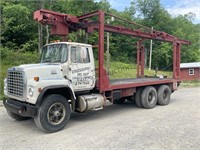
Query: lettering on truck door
82, 73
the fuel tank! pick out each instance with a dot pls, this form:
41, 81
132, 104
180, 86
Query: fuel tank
89, 102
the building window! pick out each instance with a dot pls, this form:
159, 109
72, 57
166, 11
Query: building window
191, 72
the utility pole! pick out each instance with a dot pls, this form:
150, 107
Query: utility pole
150, 52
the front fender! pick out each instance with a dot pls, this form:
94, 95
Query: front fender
42, 86
54, 88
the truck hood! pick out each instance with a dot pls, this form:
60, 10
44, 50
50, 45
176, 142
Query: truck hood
42, 65
45, 71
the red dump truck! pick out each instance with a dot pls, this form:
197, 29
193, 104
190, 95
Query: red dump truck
67, 81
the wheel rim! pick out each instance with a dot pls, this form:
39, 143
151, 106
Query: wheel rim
151, 98
56, 113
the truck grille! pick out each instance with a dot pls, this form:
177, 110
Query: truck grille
15, 83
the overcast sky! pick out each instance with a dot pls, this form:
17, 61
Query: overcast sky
174, 7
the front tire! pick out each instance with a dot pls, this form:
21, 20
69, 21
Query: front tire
149, 97
17, 117
53, 114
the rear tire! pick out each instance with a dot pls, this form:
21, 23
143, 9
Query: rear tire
149, 97
53, 114
164, 93
17, 117
138, 97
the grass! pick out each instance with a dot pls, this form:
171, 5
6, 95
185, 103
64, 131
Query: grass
194, 83
11, 58
123, 70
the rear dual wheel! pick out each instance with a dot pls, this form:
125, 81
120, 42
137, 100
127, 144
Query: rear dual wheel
138, 97
164, 93
148, 97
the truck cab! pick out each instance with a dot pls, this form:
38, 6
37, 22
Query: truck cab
76, 61
66, 71
62, 64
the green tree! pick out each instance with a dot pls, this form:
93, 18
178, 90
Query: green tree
18, 27
185, 29
15, 19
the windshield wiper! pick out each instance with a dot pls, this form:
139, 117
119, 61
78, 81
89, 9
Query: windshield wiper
57, 60
46, 60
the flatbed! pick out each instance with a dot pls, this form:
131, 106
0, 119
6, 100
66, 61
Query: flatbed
136, 80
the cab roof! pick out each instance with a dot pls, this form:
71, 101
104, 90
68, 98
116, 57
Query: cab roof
71, 43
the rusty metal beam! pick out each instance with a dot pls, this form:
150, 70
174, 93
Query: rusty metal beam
128, 21
174, 60
101, 49
142, 60
88, 15
62, 24
146, 83
138, 59
178, 54
161, 36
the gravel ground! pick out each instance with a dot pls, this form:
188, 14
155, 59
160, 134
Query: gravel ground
176, 126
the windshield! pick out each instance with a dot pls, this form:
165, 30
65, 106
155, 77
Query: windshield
54, 53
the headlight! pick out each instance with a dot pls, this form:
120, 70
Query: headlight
31, 91
5, 84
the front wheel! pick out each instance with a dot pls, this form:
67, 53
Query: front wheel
53, 114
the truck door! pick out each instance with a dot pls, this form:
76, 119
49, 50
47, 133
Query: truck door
82, 68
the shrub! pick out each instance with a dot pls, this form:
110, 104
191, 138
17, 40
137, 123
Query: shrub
11, 58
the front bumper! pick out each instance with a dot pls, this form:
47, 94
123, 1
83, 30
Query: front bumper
20, 108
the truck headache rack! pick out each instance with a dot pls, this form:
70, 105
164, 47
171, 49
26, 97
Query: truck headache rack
62, 24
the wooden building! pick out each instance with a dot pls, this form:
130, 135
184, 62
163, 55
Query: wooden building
190, 71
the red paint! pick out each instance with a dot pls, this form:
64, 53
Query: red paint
88, 15
174, 60
101, 50
146, 83
185, 74
128, 92
140, 58
105, 79
178, 54
60, 23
